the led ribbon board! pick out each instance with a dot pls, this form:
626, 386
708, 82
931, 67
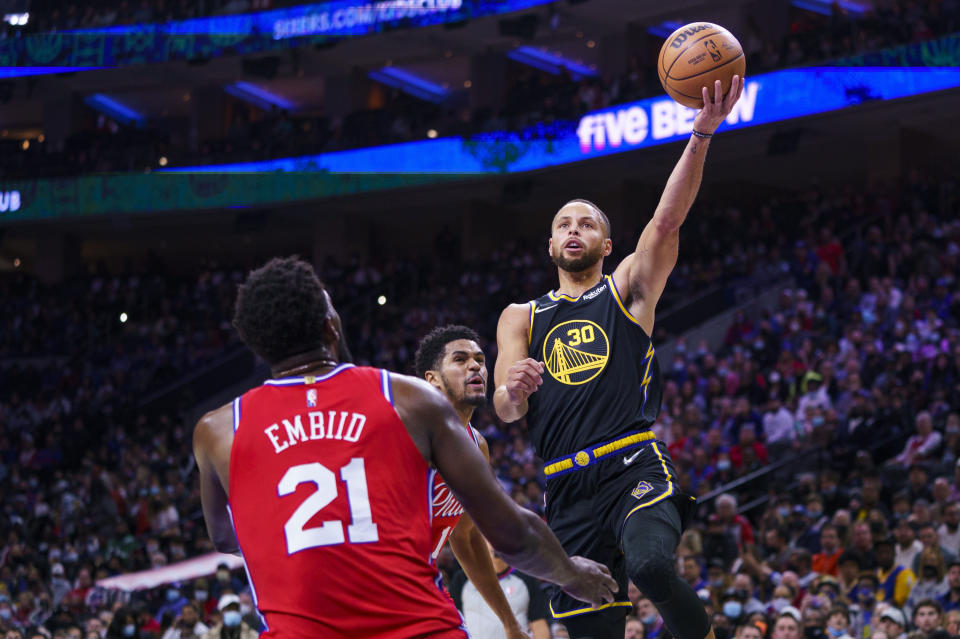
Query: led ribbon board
772, 97
767, 98
204, 38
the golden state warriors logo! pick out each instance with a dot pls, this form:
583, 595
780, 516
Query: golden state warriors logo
576, 351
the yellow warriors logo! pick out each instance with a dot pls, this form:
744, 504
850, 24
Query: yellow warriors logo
576, 351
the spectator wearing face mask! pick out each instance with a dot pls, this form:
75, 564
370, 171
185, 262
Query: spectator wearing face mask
732, 606
932, 583
224, 583
652, 622
174, 603
123, 625
837, 623
865, 600
232, 626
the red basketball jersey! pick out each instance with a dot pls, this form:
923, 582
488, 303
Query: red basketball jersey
447, 510
330, 500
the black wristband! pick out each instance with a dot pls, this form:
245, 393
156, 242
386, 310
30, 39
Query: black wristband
705, 136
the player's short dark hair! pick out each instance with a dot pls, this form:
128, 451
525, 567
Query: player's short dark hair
430, 350
280, 309
603, 216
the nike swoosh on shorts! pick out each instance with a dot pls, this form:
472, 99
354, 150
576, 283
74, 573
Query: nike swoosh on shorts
629, 460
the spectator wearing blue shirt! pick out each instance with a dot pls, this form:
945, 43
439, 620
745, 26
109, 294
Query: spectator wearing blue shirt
951, 599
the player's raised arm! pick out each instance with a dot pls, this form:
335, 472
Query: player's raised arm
519, 535
515, 374
643, 274
207, 437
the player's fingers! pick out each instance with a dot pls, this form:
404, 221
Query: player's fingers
527, 383
522, 386
706, 97
735, 87
717, 92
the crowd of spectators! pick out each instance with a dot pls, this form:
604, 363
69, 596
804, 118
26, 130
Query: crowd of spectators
854, 374
533, 99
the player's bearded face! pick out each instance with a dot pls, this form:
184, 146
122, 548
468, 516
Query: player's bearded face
464, 373
464, 391
588, 257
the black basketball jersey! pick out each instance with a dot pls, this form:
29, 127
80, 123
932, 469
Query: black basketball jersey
601, 379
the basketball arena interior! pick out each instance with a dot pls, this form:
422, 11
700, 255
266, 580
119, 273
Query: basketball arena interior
154, 152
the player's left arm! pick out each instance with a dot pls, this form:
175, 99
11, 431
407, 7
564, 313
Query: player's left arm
642, 275
208, 442
470, 549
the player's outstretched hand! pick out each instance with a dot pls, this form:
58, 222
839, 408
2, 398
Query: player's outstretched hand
592, 584
523, 379
715, 111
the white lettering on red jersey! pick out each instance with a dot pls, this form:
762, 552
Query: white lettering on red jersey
447, 510
331, 502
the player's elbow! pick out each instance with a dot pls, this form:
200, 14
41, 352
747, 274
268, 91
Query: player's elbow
517, 541
668, 224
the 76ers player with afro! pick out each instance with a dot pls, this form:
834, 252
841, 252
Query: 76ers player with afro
322, 477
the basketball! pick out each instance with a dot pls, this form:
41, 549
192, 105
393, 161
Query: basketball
695, 56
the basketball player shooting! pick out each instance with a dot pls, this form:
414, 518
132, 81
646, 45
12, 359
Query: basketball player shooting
322, 477
579, 363
450, 358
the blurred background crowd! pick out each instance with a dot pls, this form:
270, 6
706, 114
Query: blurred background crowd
822, 436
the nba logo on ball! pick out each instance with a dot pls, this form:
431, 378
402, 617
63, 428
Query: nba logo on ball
312, 398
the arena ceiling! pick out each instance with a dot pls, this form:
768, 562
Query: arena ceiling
574, 30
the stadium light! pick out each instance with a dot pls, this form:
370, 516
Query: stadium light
409, 83
123, 318
17, 19
116, 110
552, 63
825, 7
260, 98
382, 300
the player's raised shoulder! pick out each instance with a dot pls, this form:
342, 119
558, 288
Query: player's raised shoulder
422, 408
213, 424
516, 315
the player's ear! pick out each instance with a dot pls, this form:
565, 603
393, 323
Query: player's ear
607, 247
331, 332
434, 379
550, 246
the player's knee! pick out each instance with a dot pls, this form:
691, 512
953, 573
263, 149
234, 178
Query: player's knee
653, 575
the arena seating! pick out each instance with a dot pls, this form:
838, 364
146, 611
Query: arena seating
839, 405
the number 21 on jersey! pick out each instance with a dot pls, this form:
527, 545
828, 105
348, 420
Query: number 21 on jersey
361, 530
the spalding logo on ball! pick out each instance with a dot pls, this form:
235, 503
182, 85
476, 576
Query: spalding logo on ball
695, 56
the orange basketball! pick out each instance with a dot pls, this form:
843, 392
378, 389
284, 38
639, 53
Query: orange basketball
695, 56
